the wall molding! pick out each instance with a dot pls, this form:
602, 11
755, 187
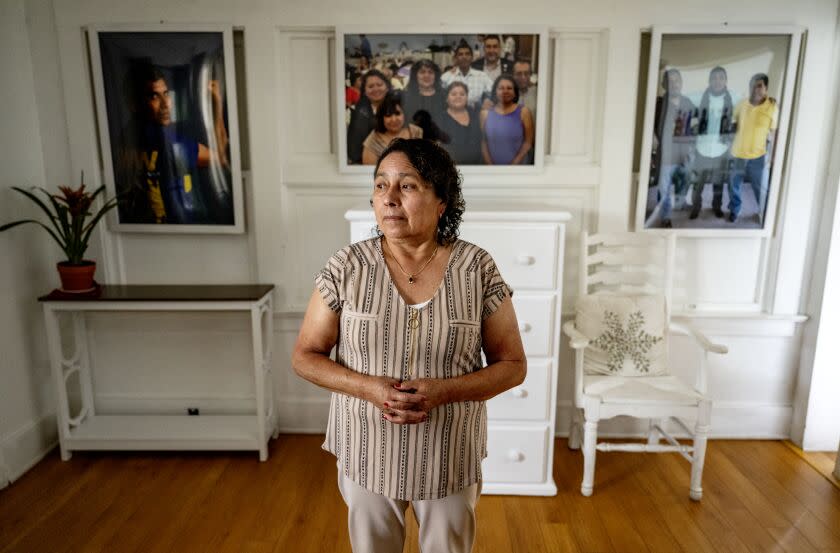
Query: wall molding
26, 446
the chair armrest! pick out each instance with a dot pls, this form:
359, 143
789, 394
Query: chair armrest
699, 337
576, 339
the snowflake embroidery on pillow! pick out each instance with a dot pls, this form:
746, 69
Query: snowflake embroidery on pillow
620, 343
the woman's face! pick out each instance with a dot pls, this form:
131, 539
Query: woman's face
405, 205
505, 92
426, 77
395, 121
457, 98
375, 89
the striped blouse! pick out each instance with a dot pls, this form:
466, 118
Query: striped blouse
380, 334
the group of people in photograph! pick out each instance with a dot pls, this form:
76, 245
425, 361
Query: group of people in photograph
480, 110
718, 141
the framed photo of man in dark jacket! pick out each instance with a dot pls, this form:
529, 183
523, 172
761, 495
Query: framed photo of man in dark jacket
168, 130
715, 128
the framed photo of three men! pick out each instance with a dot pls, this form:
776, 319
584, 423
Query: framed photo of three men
475, 91
716, 121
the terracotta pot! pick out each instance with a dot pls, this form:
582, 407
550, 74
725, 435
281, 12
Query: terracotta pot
76, 278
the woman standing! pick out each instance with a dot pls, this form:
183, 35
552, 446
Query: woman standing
508, 127
362, 119
390, 124
410, 312
462, 127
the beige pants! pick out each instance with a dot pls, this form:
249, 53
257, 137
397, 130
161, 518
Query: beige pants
377, 523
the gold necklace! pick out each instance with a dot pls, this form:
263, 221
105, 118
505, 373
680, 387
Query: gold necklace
411, 279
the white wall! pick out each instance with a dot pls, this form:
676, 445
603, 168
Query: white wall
816, 409
27, 429
297, 198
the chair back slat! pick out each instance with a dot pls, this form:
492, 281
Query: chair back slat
621, 277
627, 263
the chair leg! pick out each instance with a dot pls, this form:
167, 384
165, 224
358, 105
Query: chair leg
575, 429
590, 440
701, 435
653, 435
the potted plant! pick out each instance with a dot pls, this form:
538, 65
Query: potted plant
70, 223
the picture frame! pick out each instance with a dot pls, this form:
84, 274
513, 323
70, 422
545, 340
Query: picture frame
168, 129
398, 49
724, 121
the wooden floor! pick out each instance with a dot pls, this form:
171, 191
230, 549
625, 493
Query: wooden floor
760, 496
823, 461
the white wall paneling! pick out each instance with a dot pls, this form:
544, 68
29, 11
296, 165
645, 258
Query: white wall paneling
577, 96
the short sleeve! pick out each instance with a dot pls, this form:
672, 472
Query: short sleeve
329, 280
496, 290
774, 117
369, 141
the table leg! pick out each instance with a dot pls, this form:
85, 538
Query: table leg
62, 411
259, 376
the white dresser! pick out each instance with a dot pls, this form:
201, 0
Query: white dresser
527, 246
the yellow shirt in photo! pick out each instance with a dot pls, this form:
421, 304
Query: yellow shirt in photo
754, 125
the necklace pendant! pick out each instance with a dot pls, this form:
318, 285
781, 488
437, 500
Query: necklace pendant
410, 279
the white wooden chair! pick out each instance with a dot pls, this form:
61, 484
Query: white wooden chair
633, 264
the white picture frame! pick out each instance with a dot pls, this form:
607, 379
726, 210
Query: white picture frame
691, 51
444, 34
204, 193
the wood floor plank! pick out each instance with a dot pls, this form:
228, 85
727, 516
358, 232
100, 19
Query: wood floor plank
782, 495
492, 530
759, 497
810, 488
791, 540
557, 537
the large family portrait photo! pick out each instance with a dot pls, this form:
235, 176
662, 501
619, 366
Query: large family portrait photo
474, 94
715, 126
167, 120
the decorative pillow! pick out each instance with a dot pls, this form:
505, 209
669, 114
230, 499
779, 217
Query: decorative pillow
628, 335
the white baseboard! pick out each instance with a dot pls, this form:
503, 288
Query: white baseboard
25, 447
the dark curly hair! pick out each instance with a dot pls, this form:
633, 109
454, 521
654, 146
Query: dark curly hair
434, 166
494, 98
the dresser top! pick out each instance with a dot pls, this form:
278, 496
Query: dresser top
166, 292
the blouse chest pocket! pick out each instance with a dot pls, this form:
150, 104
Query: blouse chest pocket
463, 347
357, 342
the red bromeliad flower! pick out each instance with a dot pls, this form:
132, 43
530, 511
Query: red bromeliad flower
77, 201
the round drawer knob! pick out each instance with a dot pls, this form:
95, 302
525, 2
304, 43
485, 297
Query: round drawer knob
524, 327
515, 456
525, 260
519, 392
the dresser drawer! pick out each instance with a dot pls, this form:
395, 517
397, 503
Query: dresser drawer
516, 454
528, 401
535, 315
526, 255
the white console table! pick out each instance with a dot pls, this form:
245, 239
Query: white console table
87, 430
527, 246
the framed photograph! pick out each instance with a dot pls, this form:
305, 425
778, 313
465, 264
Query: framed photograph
166, 106
715, 130
476, 92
